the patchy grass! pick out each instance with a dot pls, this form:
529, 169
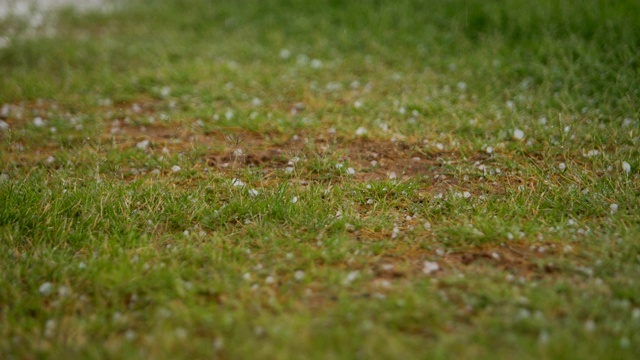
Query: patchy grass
187, 179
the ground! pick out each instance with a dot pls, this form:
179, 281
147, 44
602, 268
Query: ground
195, 179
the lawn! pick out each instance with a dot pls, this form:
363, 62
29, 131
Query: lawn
286, 179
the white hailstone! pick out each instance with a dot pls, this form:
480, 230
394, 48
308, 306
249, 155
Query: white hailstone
542, 121
246, 276
489, 150
466, 194
49, 328
613, 208
395, 232
562, 166
229, 114
624, 342
45, 288
181, 333
253, 192
38, 121
185, 233
270, 280
288, 169
589, 325
294, 200
591, 153
136, 108
218, 344
518, 134
416, 159
370, 202
392, 175
339, 165
298, 275
374, 163
333, 86
351, 171
430, 267
6, 108
361, 131
199, 122
165, 91
237, 182
495, 255
175, 168
285, 54
627, 122
256, 101
3, 125
462, 86
440, 252
130, 335
626, 167
50, 159
350, 277
143, 144
427, 225
635, 314
331, 130
316, 63
511, 105
357, 104
63, 291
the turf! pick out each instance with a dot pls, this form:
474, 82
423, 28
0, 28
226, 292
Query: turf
322, 179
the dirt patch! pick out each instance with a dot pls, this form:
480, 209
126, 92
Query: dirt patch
518, 259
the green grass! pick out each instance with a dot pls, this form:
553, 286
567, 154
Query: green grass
254, 223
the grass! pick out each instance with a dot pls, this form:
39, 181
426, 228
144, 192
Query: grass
267, 179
